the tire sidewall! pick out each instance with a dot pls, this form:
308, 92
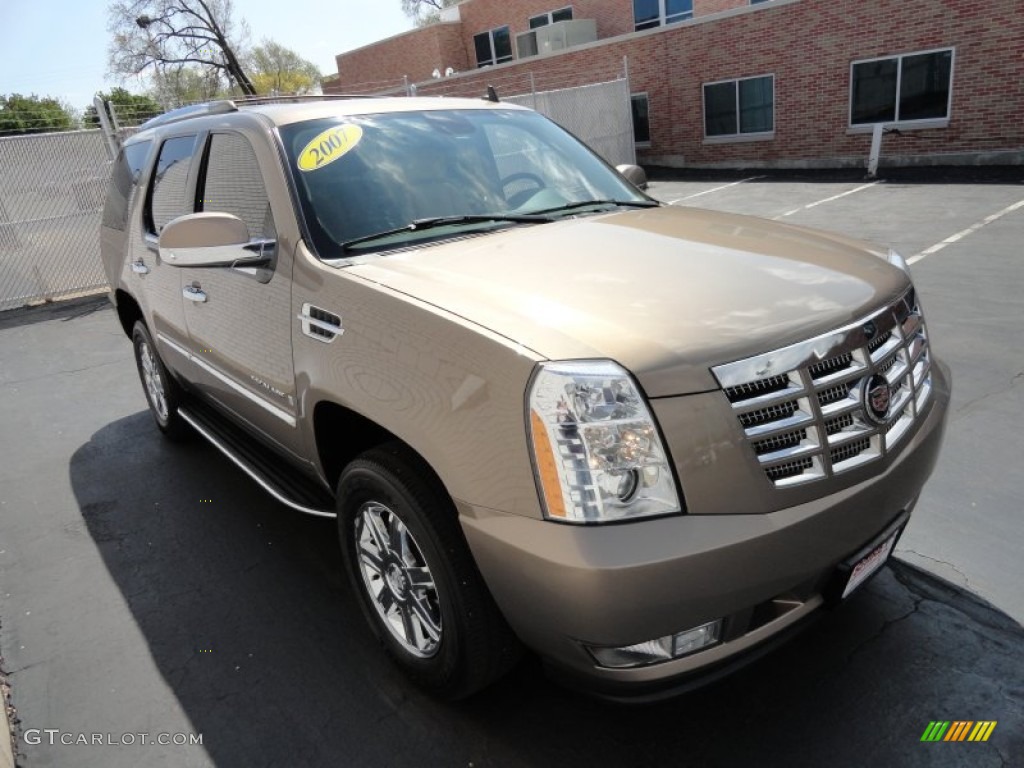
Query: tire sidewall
140, 334
360, 484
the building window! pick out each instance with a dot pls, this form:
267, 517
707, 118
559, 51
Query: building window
493, 47
740, 107
641, 118
900, 89
562, 14
648, 14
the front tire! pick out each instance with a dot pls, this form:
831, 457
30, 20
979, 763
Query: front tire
415, 578
163, 393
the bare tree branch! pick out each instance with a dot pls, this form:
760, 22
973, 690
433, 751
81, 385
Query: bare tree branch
151, 33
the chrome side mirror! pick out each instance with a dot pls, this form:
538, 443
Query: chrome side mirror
634, 174
212, 240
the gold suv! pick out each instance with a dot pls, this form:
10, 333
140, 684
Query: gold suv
547, 411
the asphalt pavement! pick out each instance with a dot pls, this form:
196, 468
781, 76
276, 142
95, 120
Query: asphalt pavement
149, 589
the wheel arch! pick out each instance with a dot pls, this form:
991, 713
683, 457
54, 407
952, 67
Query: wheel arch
342, 434
128, 310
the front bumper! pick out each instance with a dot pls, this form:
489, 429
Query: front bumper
562, 586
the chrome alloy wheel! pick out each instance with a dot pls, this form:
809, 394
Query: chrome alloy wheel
151, 378
398, 580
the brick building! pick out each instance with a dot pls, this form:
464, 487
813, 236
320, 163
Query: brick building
742, 83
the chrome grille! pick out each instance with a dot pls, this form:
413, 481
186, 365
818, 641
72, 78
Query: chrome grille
804, 409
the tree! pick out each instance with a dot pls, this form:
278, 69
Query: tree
34, 114
156, 34
425, 12
130, 108
279, 70
179, 85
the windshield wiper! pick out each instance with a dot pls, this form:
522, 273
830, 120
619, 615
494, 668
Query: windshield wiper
418, 225
588, 203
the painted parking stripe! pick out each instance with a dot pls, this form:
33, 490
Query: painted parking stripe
714, 189
816, 203
965, 232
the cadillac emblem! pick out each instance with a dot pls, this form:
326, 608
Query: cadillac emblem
877, 398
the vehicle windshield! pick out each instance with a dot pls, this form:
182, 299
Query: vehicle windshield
381, 174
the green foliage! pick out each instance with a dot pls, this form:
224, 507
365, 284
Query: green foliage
279, 70
181, 85
34, 114
130, 108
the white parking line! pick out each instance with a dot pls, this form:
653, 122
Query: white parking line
826, 200
965, 232
714, 189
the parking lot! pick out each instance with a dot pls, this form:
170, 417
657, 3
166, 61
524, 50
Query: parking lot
152, 588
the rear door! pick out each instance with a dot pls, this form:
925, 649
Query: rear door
170, 194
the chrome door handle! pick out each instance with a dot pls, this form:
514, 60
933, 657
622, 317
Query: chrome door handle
139, 268
193, 293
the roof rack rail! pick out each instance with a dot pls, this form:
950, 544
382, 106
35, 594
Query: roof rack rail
224, 106
257, 100
196, 110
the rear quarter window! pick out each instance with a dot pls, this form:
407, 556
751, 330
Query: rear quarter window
123, 181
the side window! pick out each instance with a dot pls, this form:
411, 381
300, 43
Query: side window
124, 178
235, 185
168, 197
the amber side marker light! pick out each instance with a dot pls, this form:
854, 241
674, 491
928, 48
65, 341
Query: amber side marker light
546, 468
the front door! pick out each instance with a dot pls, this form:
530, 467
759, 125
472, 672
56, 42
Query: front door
238, 318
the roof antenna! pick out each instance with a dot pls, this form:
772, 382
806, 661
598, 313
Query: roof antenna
491, 95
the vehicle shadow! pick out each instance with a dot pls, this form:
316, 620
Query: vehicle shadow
249, 622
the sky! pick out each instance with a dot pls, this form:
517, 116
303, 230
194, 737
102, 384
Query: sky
58, 48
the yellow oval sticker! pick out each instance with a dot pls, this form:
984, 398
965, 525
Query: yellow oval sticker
326, 147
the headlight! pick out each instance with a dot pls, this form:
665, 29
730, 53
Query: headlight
898, 261
596, 449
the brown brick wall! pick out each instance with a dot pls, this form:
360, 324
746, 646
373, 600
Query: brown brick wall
808, 45
415, 54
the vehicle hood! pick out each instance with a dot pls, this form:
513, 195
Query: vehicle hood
667, 292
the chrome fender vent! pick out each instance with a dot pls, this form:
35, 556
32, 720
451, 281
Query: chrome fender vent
320, 324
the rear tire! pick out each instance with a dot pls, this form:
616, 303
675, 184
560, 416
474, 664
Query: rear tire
415, 578
163, 393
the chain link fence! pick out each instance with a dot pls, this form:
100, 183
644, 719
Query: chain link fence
52, 185
52, 188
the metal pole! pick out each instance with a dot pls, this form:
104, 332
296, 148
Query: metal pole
110, 137
533, 91
405, 80
629, 105
876, 151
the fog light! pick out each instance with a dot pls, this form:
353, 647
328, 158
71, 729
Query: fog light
659, 650
694, 639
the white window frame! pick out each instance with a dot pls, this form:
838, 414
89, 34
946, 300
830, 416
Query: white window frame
550, 16
494, 54
647, 98
928, 122
662, 20
733, 138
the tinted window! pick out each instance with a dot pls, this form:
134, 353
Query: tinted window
739, 107
874, 91
234, 184
482, 44
646, 13
641, 118
924, 85
169, 197
124, 178
502, 44
720, 109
